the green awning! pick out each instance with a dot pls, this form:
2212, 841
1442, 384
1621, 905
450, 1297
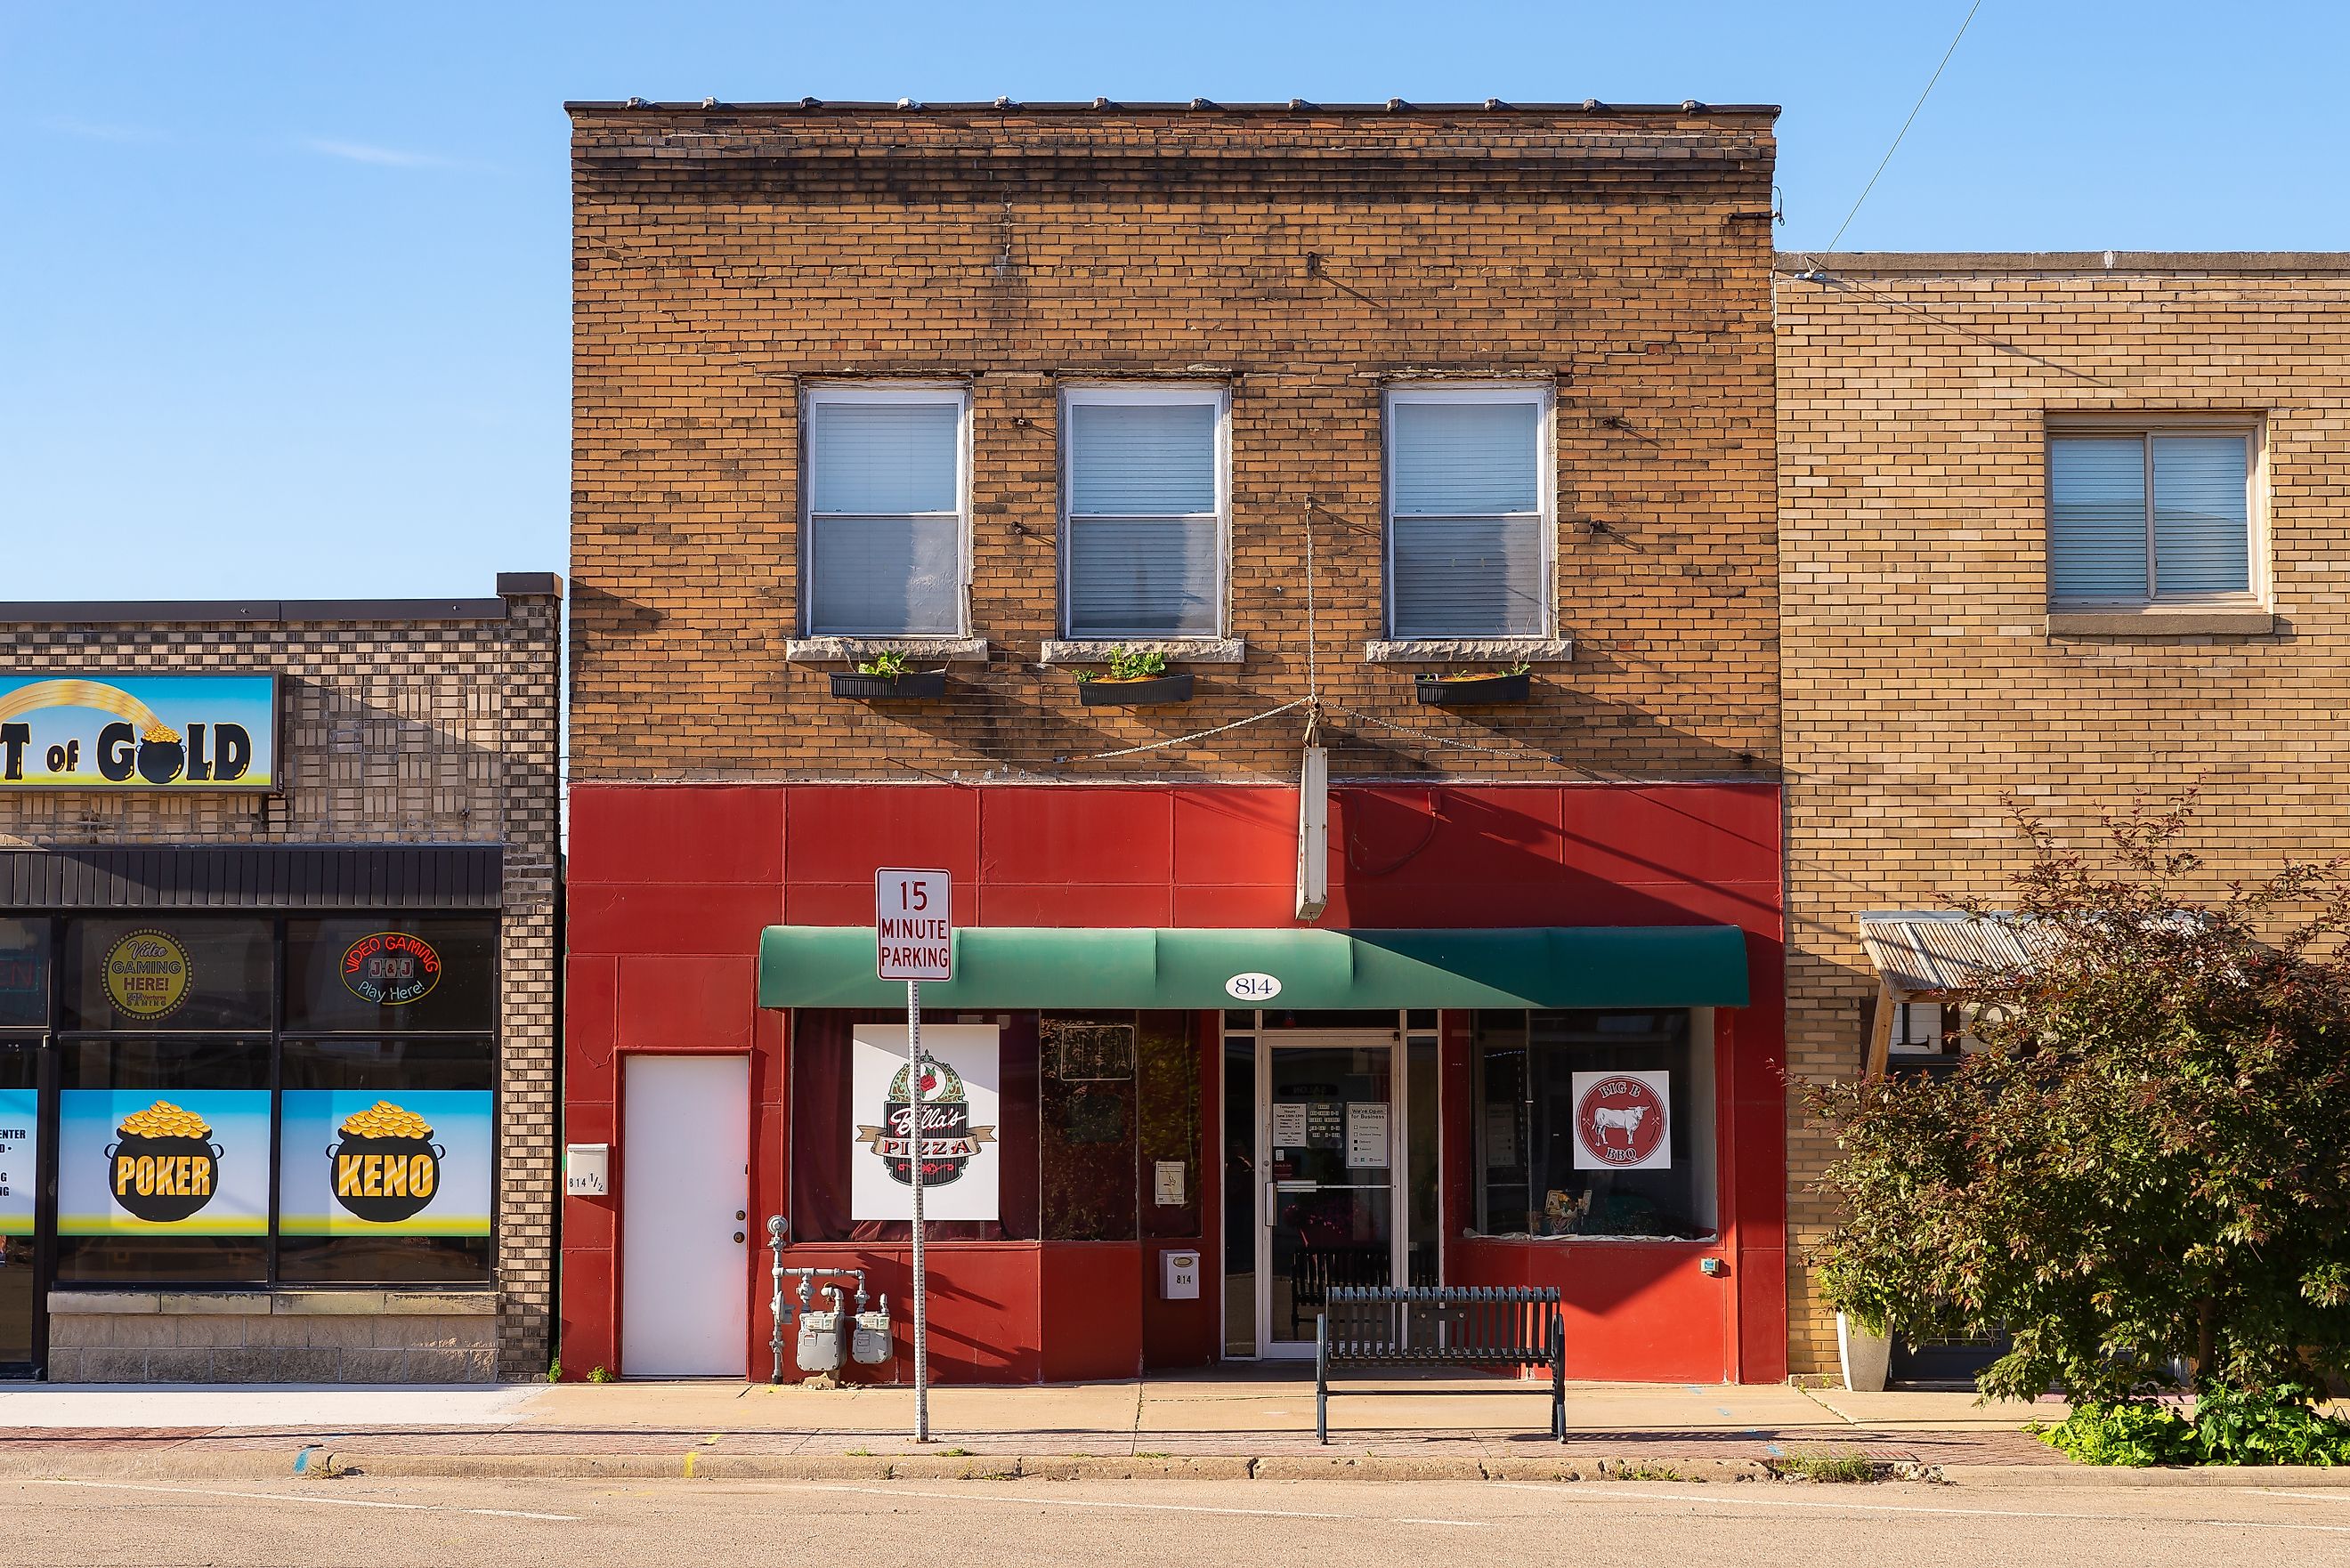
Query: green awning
1009, 966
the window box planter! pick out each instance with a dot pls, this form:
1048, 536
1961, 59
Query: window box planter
1465, 691
1150, 692
915, 685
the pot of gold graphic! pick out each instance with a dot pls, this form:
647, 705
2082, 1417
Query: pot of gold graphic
386, 1166
162, 752
165, 1166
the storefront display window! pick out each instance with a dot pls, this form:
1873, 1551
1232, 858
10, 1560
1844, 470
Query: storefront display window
199, 1145
163, 1148
411, 975
387, 1149
23, 974
171, 973
1086, 1141
1079, 1127
1594, 1124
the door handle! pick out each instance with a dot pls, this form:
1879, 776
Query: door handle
1271, 1205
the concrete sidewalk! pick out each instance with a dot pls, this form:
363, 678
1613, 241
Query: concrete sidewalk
1464, 1421
1255, 1424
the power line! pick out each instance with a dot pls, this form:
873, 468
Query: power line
1922, 97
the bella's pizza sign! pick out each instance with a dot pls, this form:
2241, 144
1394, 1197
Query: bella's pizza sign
137, 732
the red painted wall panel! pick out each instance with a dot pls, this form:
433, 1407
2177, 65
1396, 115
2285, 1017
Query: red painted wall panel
670, 885
697, 835
1091, 1313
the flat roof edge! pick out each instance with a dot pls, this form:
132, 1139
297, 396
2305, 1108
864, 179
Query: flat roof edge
2025, 263
264, 611
845, 106
204, 612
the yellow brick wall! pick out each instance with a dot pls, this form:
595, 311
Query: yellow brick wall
723, 258
1921, 683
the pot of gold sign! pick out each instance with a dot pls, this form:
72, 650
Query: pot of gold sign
386, 1166
165, 1167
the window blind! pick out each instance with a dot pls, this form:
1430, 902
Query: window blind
1465, 532
2113, 538
2202, 529
885, 530
2096, 517
1144, 538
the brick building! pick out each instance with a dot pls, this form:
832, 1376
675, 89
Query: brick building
2062, 527
279, 887
1309, 401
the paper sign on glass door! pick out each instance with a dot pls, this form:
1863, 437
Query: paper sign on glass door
1366, 1135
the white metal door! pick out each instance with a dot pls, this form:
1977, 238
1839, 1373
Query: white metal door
685, 1189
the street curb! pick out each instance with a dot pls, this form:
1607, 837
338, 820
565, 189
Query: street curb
271, 1466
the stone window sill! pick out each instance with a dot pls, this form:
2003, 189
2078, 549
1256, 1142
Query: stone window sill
274, 1303
2163, 620
850, 649
1459, 649
1174, 650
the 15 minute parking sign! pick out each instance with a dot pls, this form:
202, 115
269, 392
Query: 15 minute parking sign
914, 925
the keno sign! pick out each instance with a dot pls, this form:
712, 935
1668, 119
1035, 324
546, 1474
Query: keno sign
1623, 1121
914, 925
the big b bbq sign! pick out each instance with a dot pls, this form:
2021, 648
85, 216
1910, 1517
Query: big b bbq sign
74, 730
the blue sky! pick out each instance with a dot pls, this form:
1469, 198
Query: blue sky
284, 294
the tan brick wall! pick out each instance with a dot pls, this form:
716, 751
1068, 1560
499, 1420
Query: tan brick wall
434, 731
723, 257
1921, 683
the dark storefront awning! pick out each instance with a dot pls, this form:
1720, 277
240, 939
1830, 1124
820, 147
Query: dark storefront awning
1045, 967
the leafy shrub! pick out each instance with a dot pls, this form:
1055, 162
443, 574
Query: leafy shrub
2137, 1434
2278, 1427
2145, 1165
889, 665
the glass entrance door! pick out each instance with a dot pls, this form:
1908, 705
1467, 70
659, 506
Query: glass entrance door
20, 1186
1328, 1125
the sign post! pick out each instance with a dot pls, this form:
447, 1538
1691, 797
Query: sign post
913, 940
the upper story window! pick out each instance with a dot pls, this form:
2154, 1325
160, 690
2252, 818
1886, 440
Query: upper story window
2154, 515
886, 516
1470, 513
1146, 496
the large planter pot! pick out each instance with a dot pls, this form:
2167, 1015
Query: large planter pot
1465, 691
922, 686
1101, 692
1864, 1355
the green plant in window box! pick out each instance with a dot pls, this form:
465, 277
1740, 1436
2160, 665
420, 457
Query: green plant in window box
888, 677
1134, 679
1462, 687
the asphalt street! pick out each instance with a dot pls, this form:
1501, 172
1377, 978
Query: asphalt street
370, 1523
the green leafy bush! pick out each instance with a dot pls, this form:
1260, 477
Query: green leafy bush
2277, 1426
2146, 1167
2137, 1434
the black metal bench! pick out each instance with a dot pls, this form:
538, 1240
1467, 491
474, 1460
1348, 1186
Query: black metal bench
1441, 1326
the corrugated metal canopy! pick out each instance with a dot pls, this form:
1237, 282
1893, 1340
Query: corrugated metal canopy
1026, 966
1920, 952
252, 875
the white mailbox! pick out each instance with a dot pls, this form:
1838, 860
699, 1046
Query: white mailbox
588, 1169
1178, 1276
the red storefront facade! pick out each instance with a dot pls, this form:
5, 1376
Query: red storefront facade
671, 886
1040, 493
